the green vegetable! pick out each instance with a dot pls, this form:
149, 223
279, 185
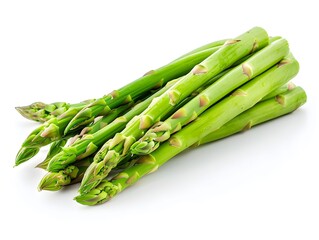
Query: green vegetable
257, 114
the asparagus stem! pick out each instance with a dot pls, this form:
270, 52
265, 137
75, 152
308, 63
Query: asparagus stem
252, 67
115, 149
242, 99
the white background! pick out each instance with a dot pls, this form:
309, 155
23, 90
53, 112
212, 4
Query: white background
262, 184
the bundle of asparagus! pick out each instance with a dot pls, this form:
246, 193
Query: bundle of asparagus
212, 92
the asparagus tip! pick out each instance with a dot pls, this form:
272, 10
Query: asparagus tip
100, 194
25, 153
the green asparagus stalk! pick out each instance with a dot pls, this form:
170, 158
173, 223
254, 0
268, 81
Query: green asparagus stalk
74, 173
242, 99
113, 150
249, 69
91, 142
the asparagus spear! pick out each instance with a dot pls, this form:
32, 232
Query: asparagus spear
112, 152
54, 181
249, 69
242, 99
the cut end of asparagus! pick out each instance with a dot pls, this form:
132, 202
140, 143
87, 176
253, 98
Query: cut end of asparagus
25, 154
102, 193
